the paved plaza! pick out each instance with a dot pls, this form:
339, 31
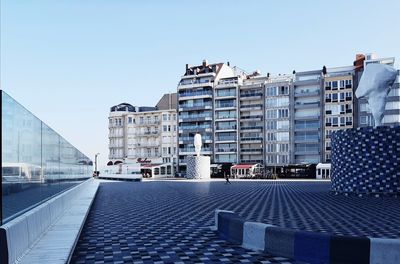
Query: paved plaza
167, 221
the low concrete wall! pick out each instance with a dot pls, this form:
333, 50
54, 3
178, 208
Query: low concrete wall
304, 246
21, 233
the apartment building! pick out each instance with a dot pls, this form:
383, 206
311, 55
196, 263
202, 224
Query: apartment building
195, 107
226, 120
307, 111
278, 125
251, 119
275, 121
338, 104
146, 136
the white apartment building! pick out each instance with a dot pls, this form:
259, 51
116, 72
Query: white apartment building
146, 136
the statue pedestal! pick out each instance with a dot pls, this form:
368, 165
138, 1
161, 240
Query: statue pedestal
198, 167
366, 161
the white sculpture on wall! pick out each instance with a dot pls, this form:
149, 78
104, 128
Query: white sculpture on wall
375, 85
197, 144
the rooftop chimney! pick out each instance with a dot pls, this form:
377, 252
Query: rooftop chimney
205, 63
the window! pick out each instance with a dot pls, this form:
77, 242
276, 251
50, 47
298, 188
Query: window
164, 117
334, 121
349, 120
271, 91
328, 145
328, 84
283, 113
141, 120
328, 133
165, 128
283, 90
130, 120
271, 136
283, 124
334, 85
342, 85
342, 121
271, 113
271, 124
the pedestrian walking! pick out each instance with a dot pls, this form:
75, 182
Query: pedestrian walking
227, 179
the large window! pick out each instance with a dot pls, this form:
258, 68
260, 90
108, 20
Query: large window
37, 163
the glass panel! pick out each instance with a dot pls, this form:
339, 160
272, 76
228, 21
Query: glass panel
36, 162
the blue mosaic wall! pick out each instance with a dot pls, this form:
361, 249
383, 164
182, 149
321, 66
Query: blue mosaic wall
366, 161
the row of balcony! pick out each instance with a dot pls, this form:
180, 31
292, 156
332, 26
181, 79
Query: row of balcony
346, 99
225, 105
193, 149
226, 150
198, 93
347, 86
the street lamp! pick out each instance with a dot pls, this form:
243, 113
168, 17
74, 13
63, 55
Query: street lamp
95, 163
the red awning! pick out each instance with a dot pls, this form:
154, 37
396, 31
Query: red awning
243, 166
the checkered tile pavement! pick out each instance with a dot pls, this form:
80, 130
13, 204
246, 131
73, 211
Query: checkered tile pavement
166, 221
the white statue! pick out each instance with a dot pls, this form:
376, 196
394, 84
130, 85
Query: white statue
197, 144
375, 85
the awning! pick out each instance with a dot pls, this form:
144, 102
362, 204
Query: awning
243, 166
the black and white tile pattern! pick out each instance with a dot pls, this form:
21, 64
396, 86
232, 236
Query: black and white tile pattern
166, 221
366, 161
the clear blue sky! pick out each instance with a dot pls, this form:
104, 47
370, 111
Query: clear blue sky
69, 61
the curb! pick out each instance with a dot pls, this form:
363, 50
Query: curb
305, 246
21, 234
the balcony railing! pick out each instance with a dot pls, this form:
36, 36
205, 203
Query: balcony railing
193, 149
251, 150
225, 139
226, 150
225, 116
251, 127
224, 94
251, 138
226, 127
225, 105
200, 93
252, 106
250, 95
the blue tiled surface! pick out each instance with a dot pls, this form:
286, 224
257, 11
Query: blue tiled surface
166, 221
366, 161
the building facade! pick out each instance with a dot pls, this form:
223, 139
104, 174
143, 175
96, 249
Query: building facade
226, 120
338, 104
307, 111
146, 136
196, 107
275, 121
278, 122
